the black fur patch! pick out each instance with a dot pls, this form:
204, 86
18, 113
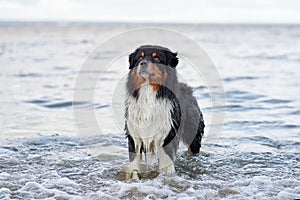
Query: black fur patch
164, 92
131, 145
196, 144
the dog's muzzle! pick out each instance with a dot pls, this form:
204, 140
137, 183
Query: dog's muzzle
144, 71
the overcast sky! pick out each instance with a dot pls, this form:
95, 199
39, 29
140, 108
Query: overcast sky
181, 11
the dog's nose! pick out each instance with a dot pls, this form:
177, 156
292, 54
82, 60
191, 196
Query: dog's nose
144, 63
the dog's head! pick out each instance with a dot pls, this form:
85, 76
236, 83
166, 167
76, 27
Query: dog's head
150, 63
156, 55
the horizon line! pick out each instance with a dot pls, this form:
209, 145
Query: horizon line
146, 22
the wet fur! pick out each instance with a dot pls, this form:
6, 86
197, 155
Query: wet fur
176, 114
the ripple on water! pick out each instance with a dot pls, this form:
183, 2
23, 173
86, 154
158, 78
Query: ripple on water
239, 78
295, 112
50, 104
241, 96
276, 101
30, 75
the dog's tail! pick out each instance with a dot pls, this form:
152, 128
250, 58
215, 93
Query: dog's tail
194, 147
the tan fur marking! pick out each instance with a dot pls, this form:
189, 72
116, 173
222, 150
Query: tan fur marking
155, 81
154, 54
155, 86
190, 151
137, 80
152, 146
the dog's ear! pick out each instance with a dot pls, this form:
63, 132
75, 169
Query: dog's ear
131, 60
172, 60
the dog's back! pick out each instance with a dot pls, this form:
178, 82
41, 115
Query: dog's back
192, 123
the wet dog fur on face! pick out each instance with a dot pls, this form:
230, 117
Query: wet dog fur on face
159, 110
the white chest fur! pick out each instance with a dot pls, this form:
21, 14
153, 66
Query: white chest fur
149, 119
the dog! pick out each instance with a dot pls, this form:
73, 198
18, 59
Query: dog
159, 110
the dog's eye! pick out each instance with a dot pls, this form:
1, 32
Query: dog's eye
156, 58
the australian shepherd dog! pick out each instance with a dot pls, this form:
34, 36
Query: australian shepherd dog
159, 110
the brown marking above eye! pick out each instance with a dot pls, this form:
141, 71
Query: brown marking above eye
141, 56
154, 56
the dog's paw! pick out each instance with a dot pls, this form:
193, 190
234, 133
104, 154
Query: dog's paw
134, 175
169, 169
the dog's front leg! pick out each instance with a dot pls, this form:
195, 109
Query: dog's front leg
133, 171
166, 157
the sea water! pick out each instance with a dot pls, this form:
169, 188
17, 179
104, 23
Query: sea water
42, 156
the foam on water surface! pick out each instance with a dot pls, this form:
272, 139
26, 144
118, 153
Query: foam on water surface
61, 167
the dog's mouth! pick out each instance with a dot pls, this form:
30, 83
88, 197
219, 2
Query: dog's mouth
146, 74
